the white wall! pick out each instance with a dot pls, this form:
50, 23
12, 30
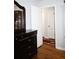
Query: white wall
36, 19
59, 20
60, 27
27, 6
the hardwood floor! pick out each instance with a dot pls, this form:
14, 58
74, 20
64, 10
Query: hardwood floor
49, 52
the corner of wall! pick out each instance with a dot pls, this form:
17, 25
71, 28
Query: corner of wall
60, 48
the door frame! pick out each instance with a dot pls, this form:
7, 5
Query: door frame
54, 20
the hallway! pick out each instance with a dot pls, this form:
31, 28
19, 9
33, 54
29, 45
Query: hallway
48, 52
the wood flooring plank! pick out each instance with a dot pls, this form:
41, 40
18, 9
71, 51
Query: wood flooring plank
48, 52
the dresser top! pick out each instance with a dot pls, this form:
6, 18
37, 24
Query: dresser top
27, 32
30, 30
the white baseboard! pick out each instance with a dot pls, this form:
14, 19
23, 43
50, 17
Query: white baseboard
60, 48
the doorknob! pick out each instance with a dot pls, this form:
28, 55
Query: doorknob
48, 25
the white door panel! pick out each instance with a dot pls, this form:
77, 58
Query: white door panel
49, 21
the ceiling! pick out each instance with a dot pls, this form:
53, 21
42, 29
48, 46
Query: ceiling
41, 2
35, 0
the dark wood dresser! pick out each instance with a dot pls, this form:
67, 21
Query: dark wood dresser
25, 44
25, 41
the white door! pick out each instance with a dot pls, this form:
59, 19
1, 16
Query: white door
49, 17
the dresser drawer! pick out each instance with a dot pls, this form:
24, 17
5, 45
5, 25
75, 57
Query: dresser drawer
26, 45
29, 51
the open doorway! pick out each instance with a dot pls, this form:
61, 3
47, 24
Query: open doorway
48, 15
